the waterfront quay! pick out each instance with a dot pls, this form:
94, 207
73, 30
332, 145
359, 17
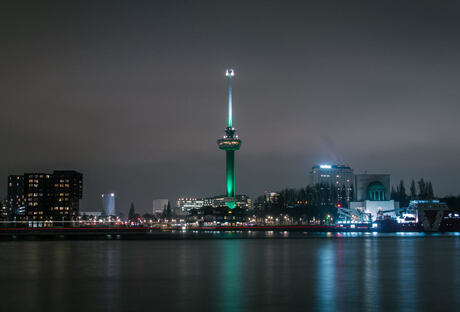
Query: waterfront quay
187, 232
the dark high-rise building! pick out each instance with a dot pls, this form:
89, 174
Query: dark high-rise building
49, 196
4, 211
37, 192
66, 195
16, 201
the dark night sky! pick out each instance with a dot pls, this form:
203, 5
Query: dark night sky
133, 94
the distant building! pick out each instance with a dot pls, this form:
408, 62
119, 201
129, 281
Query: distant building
223, 215
336, 181
67, 190
4, 211
241, 201
91, 213
185, 204
108, 204
372, 193
16, 202
158, 206
272, 197
47, 196
373, 187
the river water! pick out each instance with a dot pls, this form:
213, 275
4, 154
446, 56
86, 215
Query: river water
366, 272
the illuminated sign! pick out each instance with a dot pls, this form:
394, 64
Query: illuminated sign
325, 166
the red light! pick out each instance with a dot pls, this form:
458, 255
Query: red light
339, 205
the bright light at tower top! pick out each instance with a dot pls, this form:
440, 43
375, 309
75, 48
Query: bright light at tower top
230, 73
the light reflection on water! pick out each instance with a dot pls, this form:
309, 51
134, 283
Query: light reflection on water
231, 284
327, 272
327, 282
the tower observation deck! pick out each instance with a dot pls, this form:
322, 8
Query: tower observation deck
230, 143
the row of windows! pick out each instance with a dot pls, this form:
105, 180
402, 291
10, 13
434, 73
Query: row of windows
60, 208
41, 194
52, 208
62, 185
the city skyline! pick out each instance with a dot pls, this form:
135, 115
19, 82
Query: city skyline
124, 103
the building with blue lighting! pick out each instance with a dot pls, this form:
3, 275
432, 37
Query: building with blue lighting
372, 194
337, 180
108, 204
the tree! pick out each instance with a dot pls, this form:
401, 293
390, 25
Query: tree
168, 210
394, 194
413, 190
131, 213
429, 191
401, 191
422, 189
402, 196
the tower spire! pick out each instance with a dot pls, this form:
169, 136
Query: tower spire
230, 73
230, 143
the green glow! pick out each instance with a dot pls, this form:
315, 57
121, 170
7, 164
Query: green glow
230, 205
230, 113
230, 173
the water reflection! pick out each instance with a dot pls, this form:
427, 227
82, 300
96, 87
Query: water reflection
326, 287
371, 275
406, 278
231, 282
341, 272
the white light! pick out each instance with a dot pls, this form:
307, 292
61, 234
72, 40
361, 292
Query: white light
112, 194
325, 166
229, 73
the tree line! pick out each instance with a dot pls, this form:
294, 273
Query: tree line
422, 190
310, 203
166, 214
320, 202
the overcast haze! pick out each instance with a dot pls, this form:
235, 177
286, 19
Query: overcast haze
133, 94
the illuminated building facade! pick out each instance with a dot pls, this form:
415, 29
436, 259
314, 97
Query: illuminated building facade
208, 215
47, 196
186, 204
372, 193
336, 179
241, 200
4, 211
66, 194
16, 202
230, 143
38, 193
108, 204
159, 206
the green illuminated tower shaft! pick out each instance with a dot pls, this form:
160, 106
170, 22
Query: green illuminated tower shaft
230, 173
230, 143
